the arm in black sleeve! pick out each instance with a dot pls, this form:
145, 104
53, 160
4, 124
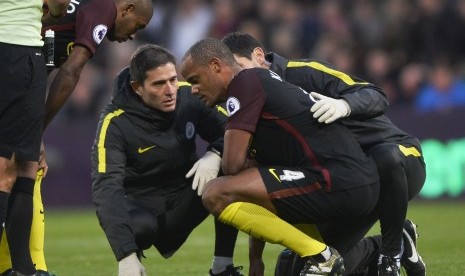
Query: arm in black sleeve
211, 126
368, 101
108, 170
365, 99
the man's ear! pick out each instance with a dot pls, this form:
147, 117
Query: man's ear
136, 87
128, 8
215, 65
258, 55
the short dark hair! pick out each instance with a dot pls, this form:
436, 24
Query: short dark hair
206, 49
146, 58
241, 44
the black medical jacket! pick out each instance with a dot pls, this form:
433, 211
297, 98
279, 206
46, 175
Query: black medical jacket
140, 151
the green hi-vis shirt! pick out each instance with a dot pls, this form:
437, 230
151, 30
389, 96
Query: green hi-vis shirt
20, 22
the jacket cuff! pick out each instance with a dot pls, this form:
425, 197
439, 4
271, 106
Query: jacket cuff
125, 251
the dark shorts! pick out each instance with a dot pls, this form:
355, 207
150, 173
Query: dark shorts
23, 84
166, 221
298, 196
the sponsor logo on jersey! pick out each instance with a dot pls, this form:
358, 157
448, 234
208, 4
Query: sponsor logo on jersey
273, 172
99, 33
190, 130
232, 105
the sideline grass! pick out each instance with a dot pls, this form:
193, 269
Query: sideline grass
76, 246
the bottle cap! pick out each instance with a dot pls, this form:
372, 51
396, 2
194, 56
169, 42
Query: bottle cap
49, 33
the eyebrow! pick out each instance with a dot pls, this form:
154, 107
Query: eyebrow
164, 80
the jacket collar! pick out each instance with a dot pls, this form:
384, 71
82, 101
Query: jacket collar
278, 64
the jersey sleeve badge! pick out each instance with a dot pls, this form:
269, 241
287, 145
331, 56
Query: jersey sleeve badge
99, 33
232, 105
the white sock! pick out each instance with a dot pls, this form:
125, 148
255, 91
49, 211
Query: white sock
219, 264
326, 253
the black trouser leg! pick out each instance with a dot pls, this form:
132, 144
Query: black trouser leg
362, 259
401, 178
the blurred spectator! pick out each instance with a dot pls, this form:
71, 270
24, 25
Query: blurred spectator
435, 29
444, 89
252, 27
187, 22
154, 31
344, 60
367, 24
379, 70
333, 21
411, 78
396, 15
225, 18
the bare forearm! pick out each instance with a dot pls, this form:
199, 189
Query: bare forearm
60, 90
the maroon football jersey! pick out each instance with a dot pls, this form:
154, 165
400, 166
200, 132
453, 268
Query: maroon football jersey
86, 23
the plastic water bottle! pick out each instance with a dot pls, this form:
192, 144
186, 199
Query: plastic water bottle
50, 48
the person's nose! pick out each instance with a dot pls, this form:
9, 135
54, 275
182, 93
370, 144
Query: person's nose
171, 89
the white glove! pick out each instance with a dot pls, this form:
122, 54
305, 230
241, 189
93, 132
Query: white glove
327, 109
131, 266
205, 169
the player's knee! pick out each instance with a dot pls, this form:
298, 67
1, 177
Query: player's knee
27, 169
214, 199
8, 175
388, 158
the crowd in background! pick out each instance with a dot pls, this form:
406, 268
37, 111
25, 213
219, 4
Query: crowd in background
414, 50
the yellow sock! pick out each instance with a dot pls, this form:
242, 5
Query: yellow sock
5, 261
263, 224
310, 230
36, 244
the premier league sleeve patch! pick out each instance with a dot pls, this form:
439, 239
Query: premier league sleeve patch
232, 105
99, 33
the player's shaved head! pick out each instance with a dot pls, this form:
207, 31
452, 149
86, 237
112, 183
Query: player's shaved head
131, 16
209, 66
144, 7
141, 7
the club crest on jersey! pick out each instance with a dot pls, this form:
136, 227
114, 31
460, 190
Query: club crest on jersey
232, 105
190, 130
99, 33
